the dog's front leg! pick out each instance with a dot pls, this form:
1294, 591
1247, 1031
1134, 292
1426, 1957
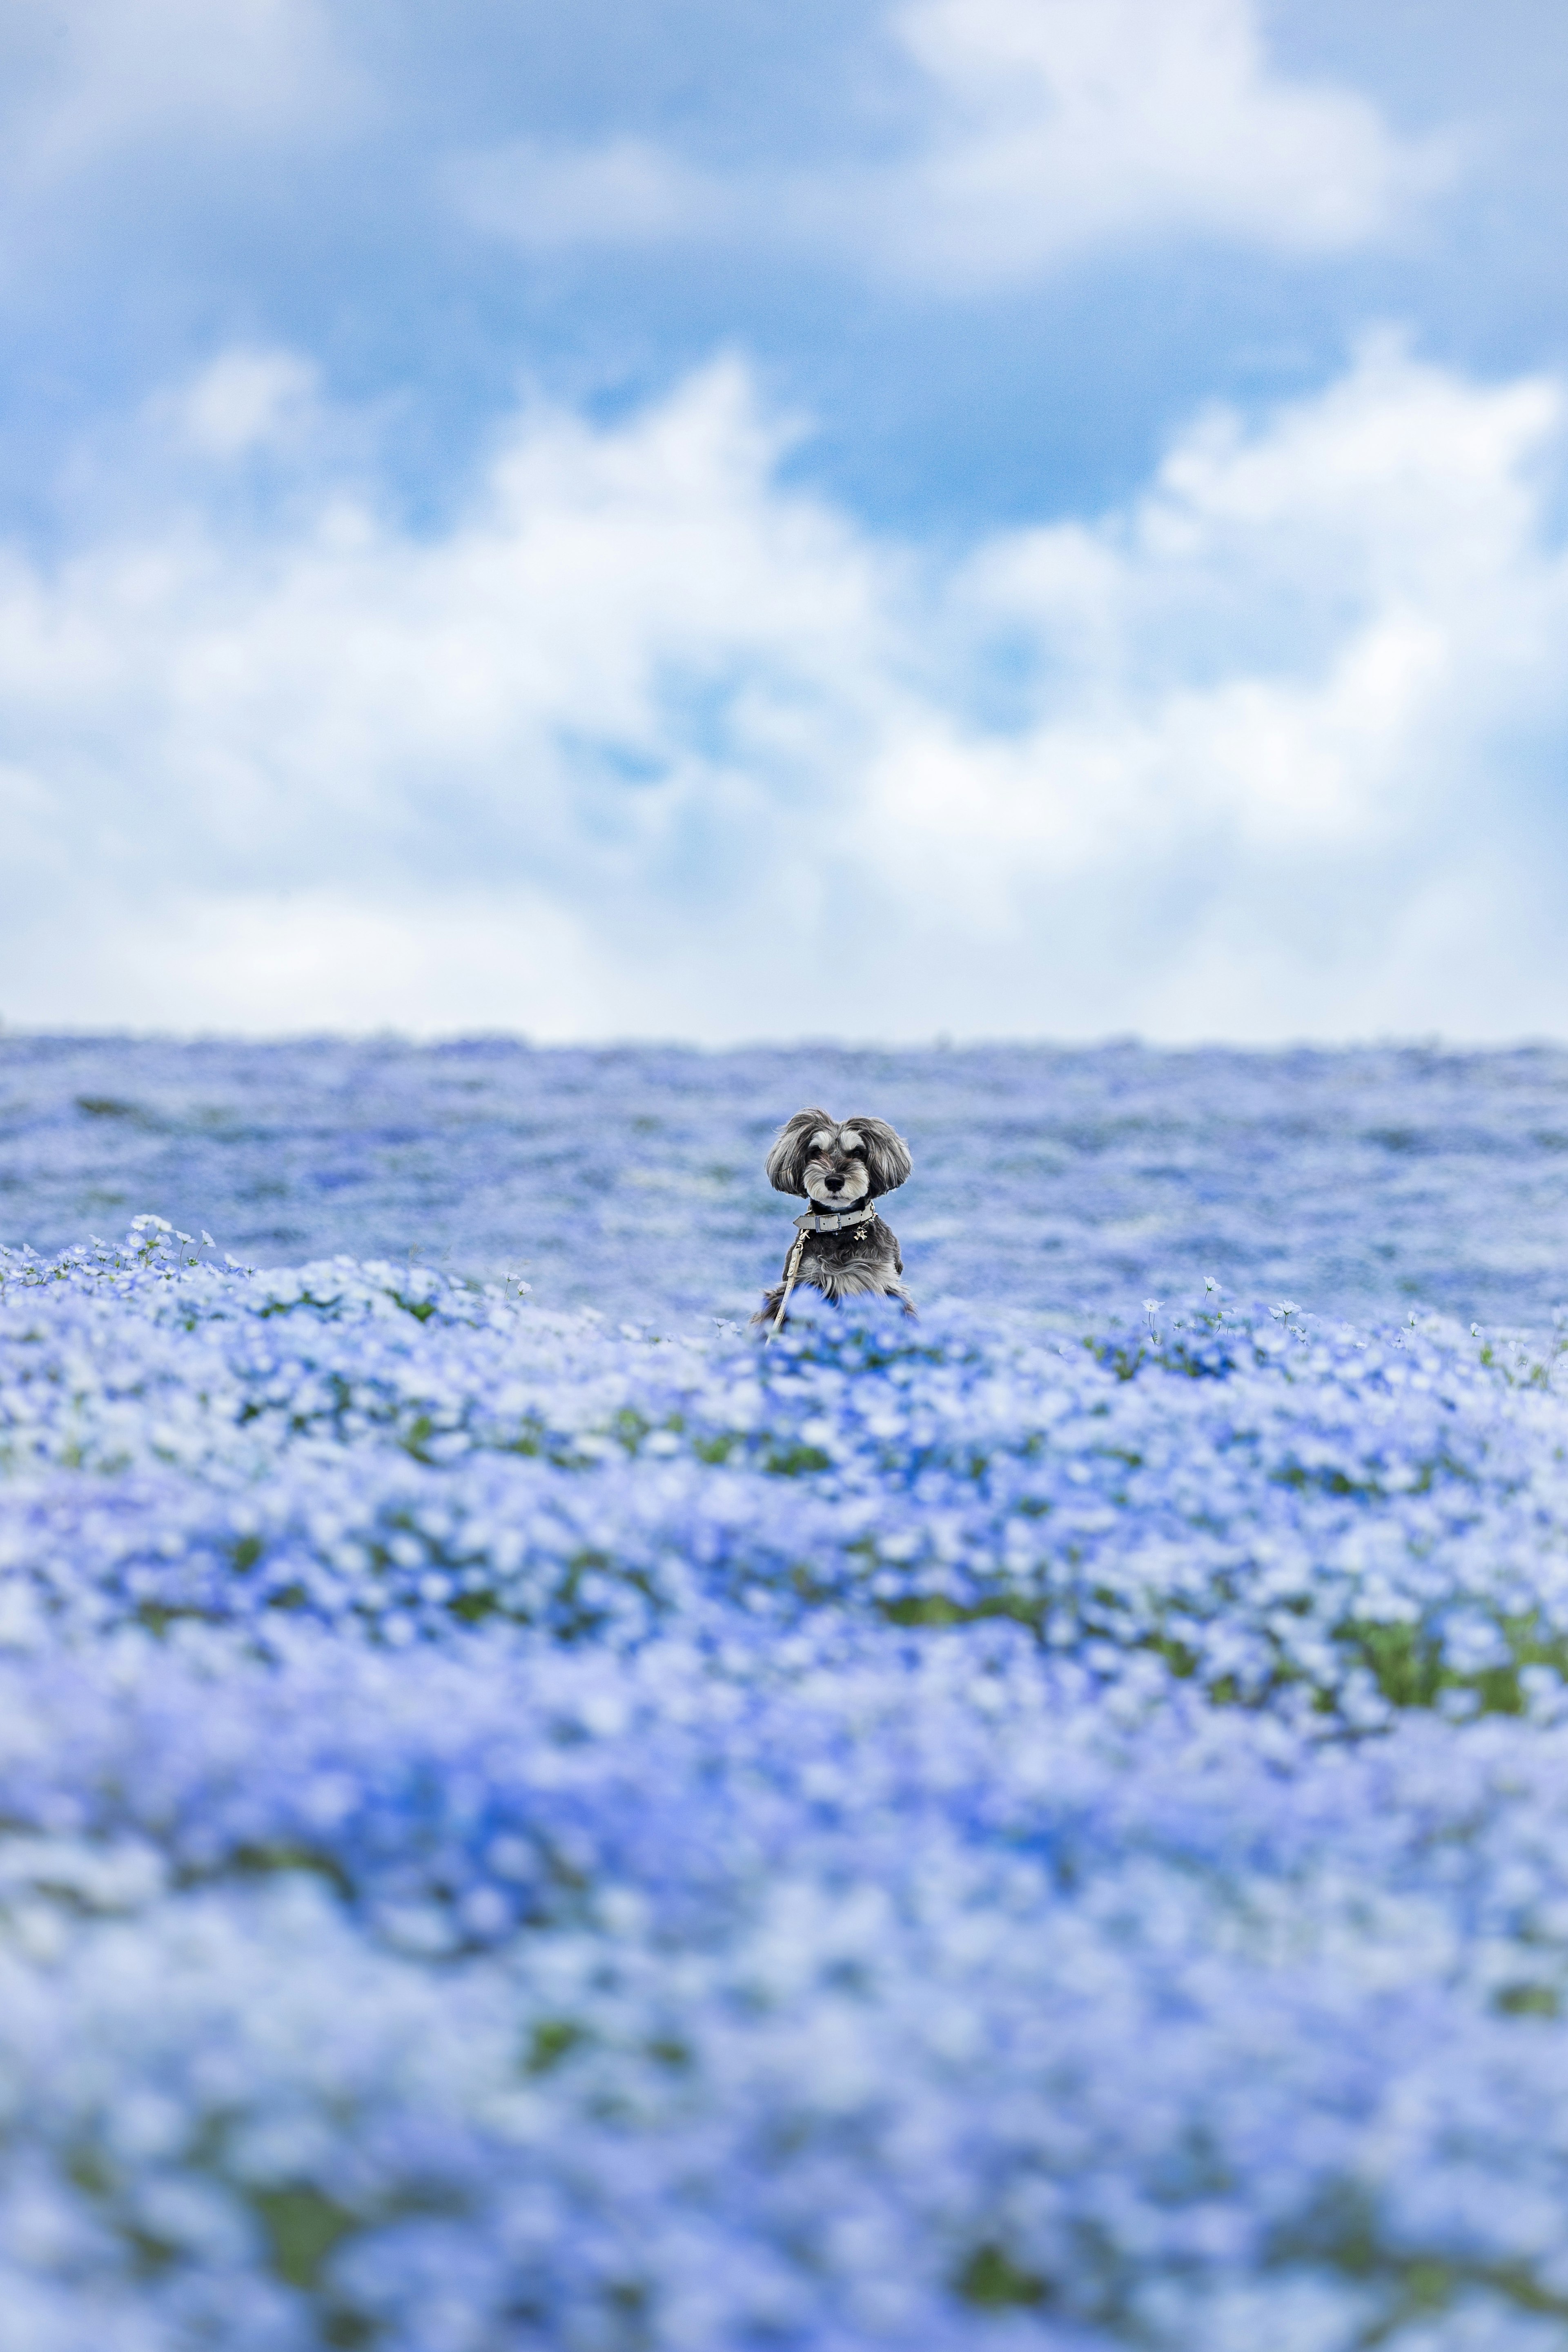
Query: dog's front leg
772, 1299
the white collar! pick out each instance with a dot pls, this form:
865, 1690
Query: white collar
813, 1223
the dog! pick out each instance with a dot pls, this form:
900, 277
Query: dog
843, 1248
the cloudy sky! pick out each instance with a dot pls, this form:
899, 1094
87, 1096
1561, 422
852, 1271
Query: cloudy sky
694, 519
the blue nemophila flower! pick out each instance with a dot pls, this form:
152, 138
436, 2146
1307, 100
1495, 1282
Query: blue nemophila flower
958, 1833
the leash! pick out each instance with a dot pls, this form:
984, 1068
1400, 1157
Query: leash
791, 1270
810, 1224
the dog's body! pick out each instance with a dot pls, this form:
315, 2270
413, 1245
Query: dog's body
840, 1167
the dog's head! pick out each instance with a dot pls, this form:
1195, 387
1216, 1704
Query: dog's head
837, 1162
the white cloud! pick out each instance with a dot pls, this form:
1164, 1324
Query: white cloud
106, 75
624, 193
649, 743
1062, 124
1048, 128
246, 400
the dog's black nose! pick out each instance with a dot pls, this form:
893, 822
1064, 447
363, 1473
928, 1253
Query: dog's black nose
836, 1183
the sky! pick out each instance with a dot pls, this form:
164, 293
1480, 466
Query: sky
946, 518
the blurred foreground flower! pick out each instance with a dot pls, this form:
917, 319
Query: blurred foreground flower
965, 1834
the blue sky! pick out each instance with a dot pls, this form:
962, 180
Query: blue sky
969, 517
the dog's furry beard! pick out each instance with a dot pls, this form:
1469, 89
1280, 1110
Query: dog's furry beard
856, 1186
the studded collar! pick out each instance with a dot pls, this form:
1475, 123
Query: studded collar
815, 1223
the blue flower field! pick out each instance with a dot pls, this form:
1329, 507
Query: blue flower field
529, 1821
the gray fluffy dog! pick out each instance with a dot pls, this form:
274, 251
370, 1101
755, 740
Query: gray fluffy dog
840, 1166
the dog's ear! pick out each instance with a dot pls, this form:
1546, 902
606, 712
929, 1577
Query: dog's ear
887, 1160
786, 1160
